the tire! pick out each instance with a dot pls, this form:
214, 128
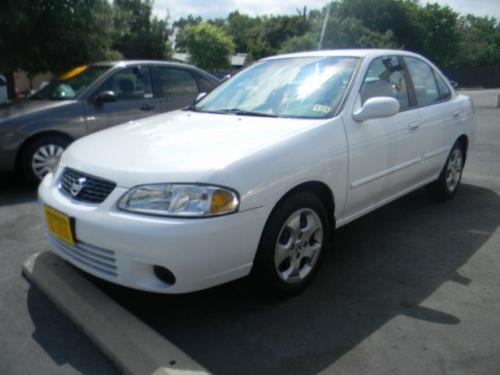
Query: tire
283, 251
446, 186
39, 156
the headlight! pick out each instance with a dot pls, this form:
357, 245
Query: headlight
183, 200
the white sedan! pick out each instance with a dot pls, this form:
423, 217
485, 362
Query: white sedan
254, 177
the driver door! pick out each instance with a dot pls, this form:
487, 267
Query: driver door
134, 99
384, 153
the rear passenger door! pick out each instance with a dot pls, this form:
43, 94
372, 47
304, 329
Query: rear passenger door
177, 87
437, 113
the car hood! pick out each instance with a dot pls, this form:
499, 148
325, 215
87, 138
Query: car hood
26, 107
180, 146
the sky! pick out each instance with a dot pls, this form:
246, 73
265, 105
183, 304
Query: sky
221, 8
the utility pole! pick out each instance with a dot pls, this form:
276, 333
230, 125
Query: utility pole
327, 15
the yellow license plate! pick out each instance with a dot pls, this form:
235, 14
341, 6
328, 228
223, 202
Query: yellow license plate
59, 225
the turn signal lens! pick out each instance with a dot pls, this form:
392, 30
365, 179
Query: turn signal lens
222, 202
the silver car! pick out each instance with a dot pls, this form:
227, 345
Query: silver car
35, 131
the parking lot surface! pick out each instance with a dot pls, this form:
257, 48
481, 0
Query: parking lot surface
412, 288
35, 338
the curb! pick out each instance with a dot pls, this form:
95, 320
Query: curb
134, 347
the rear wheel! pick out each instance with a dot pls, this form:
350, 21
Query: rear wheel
446, 186
41, 156
292, 242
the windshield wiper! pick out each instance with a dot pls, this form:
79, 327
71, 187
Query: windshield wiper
243, 112
234, 111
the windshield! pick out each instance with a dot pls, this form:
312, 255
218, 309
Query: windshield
70, 84
301, 87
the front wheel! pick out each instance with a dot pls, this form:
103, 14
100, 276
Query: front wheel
292, 242
41, 156
446, 186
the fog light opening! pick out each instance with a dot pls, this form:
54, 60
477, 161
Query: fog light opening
164, 275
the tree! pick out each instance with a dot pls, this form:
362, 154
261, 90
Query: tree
306, 42
209, 46
479, 41
54, 35
259, 48
240, 27
381, 16
145, 37
440, 36
179, 26
351, 33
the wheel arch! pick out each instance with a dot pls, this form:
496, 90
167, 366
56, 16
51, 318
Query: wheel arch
36, 137
321, 190
464, 141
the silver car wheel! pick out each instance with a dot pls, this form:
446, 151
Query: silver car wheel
454, 170
298, 245
45, 159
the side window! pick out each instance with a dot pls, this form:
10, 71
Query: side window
424, 83
176, 82
2, 82
386, 77
444, 89
130, 84
205, 85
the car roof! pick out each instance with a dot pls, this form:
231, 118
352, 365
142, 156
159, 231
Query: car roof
172, 64
144, 62
346, 52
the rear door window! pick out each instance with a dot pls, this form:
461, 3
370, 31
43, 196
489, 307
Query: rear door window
205, 85
425, 85
444, 89
173, 82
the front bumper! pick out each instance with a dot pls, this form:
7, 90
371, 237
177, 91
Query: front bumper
123, 248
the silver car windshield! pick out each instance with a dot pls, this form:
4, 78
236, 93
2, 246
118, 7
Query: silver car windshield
298, 87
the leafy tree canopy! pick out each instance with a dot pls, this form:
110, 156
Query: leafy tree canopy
209, 46
144, 36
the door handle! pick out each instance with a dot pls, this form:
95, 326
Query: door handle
146, 107
412, 126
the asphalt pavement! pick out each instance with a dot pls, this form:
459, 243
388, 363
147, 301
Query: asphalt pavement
35, 338
411, 288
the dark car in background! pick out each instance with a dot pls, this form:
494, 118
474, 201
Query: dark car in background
35, 131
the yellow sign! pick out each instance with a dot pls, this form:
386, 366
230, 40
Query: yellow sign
59, 225
73, 72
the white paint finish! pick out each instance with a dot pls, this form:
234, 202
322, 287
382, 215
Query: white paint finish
365, 164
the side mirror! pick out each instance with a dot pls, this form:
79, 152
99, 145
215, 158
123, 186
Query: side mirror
105, 97
200, 96
377, 107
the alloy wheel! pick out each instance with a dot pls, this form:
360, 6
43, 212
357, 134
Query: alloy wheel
454, 169
298, 245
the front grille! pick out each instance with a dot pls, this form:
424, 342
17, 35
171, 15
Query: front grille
95, 259
83, 187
